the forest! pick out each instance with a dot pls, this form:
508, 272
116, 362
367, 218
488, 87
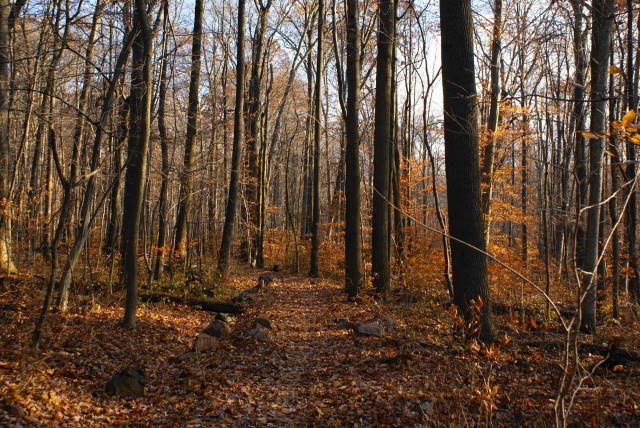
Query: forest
319, 213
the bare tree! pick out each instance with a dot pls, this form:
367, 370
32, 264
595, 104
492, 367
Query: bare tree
381, 272
315, 199
8, 13
602, 20
494, 117
352, 237
184, 203
140, 126
470, 280
238, 136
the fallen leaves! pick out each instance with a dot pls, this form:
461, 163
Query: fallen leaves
307, 372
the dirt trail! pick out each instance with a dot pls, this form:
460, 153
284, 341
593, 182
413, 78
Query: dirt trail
309, 368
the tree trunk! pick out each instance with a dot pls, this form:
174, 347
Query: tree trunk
381, 274
307, 166
6, 263
600, 42
524, 256
115, 205
494, 118
46, 111
238, 137
184, 203
254, 111
613, 202
578, 120
463, 165
140, 126
315, 199
164, 148
631, 103
353, 237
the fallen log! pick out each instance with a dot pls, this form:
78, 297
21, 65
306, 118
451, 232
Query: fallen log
203, 304
613, 355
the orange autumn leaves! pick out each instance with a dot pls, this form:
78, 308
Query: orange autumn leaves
627, 127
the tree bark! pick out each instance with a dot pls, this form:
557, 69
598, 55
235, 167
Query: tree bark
381, 272
238, 137
164, 149
315, 195
353, 237
115, 205
140, 126
600, 45
578, 120
254, 111
631, 103
494, 118
6, 263
462, 163
184, 203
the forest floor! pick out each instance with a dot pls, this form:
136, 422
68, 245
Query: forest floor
311, 370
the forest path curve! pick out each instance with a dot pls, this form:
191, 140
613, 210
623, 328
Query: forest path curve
309, 369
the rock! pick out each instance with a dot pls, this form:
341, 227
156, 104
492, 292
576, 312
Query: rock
217, 329
387, 323
129, 382
185, 356
15, 411
264, 280
263, 322
223, 317
426, 407
344, 324
204, 343
258, 333
369, 329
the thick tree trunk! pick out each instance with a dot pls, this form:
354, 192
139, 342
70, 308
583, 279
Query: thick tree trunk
463, 165
381, 273
353, 237
140, 120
